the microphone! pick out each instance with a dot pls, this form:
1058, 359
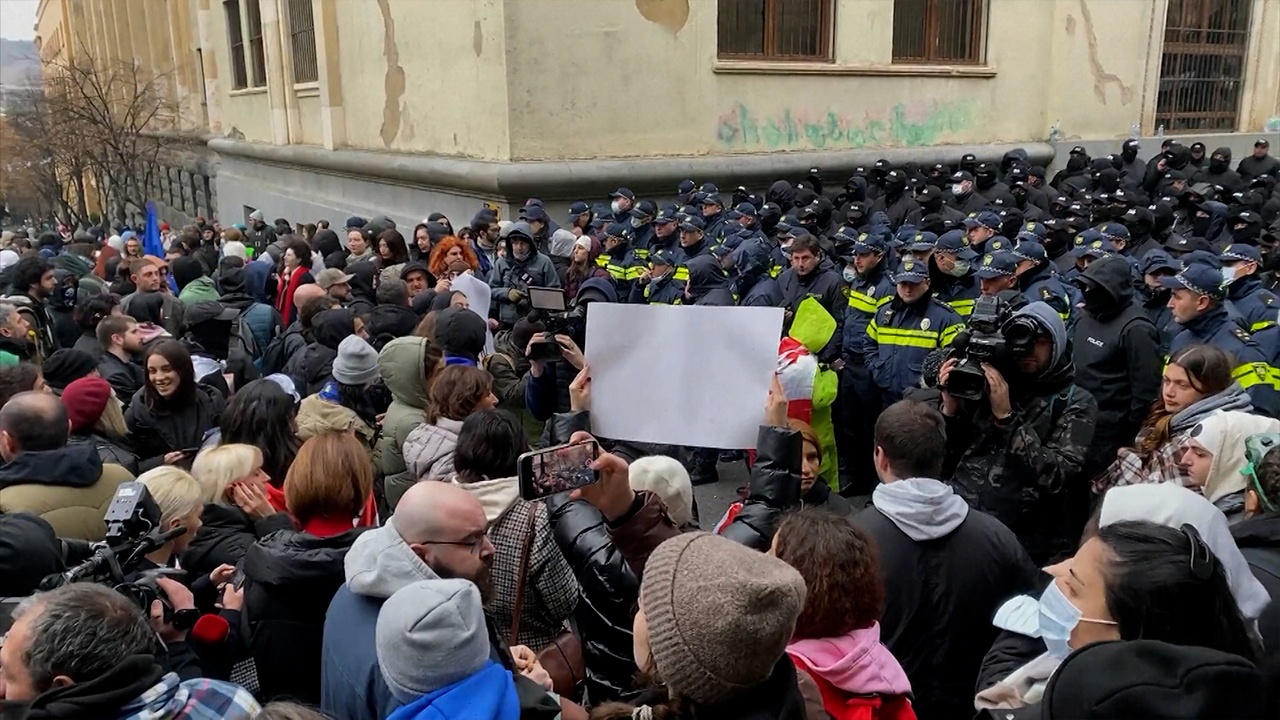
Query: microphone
210, 629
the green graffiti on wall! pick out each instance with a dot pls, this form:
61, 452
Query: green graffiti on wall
899, 126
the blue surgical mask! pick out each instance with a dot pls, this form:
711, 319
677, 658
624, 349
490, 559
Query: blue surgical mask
1228, 275
959, 269
1058, 617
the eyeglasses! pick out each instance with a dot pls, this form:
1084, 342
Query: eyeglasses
475, 544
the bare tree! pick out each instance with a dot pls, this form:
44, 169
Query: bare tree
41, 164
108, 116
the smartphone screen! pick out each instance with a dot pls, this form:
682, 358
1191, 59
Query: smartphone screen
557, 469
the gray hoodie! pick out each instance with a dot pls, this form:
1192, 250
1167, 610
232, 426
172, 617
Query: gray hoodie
1047, 318
378, 564
922, 508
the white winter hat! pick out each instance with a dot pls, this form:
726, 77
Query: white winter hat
667, 478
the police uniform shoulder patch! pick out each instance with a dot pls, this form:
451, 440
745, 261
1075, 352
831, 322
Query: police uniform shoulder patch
1045, 293
1261, 370
1268, 299
844, 290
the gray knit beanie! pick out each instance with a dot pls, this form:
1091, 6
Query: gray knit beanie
357, 362
719, 613
431, 634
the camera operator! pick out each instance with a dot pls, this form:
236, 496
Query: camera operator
85, 651
547, 391
1012, 453
29, 552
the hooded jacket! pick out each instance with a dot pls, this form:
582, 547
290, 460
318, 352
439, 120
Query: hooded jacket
1117, 355
401, 365
1018, 470
551, 591
428, 451
708, 283
260, 317
1219, 172
378, 564
313, 367
1223, 434
853, 667
946, 568
70, 488
290, 577
82, 269
537, 270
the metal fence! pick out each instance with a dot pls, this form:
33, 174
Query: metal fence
774, 29
938, 31
1203, 65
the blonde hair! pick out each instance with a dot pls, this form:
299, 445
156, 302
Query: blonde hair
112, 419
174, 490
216, 468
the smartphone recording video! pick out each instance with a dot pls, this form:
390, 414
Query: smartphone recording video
557, 469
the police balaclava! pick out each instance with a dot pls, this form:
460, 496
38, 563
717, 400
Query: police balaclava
895, 183
984, 176
1246, 229
770, 214
1011, 220
856, 215
1077, 163
1220, 161
1097, 299
1129, 151
1200, 224
933, 203
1139, 222
968, 162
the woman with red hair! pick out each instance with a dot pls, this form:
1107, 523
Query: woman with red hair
450, 249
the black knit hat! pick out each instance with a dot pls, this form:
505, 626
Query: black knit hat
66, 366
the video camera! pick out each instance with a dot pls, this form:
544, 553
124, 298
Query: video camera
995, 336
551, 308
133, 531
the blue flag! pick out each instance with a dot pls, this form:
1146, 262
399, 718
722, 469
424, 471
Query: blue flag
151, 243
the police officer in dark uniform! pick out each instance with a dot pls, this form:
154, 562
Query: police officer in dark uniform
1039, 282
951, 273
666, 232
1197, 304
693, 243
895, 202
1258, 307
642, 216
963, 197
870, 287
619, 259
714, 219
981, 227
658, 285
932, 201
905, 330
1158, 264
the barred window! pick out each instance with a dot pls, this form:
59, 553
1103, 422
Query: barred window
302, 36
235, 37
948, 32
1203, 65
775, 29
257, 49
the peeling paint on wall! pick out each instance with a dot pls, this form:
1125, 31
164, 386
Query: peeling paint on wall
477, 39
902, 125
1101, 78
394, 80
671, 14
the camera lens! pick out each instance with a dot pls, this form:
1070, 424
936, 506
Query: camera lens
1020, 333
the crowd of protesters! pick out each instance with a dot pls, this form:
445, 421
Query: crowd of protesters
1033, 473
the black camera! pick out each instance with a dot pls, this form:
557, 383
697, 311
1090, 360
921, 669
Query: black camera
995, 336
551, 308
133, 530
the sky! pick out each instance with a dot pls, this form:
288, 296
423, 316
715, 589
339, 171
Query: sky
18, 19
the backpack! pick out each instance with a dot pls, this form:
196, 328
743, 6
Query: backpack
240, 329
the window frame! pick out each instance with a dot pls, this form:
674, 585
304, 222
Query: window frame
236, 44
256, 46
826, 38
306, 68
933, 32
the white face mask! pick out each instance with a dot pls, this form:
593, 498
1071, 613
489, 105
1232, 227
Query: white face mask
637, 222
1228, 275
960, 269
616, 206
958, 190
850, 275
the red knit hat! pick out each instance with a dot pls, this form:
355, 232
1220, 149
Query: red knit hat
85, 399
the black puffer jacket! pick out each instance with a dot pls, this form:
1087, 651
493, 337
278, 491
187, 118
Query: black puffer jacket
163, 429
290, 577
313, 367
111, 450
1259, 540
226, 534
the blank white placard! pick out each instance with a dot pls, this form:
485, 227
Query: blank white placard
681, 375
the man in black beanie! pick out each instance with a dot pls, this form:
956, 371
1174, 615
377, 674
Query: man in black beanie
461, 334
